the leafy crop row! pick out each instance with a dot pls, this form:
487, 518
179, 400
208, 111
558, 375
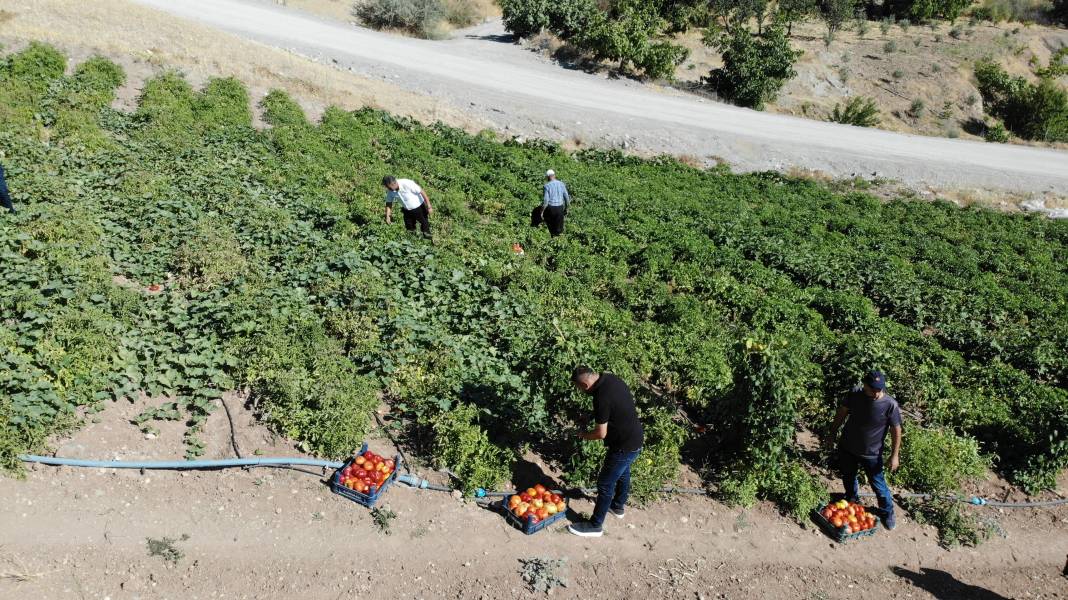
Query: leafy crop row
177, 253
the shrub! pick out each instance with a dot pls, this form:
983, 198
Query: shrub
280, 110
463, 447
996, 133
925, 10
858, 111
957, 524
916, 108
890, 47
461, 13
897, 74
307, 389
754, 68
1059, 11
938, 461
37, 64
420, 17
526, 18
1031, 111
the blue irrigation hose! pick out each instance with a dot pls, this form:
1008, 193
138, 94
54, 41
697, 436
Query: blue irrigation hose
418, 482
179, 464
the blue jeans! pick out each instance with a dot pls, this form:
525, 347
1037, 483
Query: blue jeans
873, 467
613, 484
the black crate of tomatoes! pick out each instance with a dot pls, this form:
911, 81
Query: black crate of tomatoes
844, 521
365, 478
534, 509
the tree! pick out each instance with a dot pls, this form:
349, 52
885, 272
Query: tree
1032, 111
792, 11
835, 13
925, 10
627, 35
1060, 11
526, 18
754, 68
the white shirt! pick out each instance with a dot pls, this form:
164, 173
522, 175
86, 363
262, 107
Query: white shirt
408, 192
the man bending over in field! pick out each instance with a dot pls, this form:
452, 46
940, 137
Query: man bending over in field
871, 412
415, 204
617, 424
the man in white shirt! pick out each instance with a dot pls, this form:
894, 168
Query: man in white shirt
415, 205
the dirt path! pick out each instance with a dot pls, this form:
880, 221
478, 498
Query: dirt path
517, 89
266, 533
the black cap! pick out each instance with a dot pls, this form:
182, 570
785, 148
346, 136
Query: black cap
875, 380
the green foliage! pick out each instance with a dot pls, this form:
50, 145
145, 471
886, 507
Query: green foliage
938, 461
462, 446
655, 467
858, 111
628, 33
304, 386
792, 11
527, 18
177, 253
1031, 111
996, 133
37, 64
957, 524
835, 13
1059, 11
925, 10
282, 111
754, 68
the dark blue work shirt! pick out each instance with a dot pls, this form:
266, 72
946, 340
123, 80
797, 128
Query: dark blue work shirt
869, 420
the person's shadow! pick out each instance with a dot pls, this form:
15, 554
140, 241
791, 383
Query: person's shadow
944, 586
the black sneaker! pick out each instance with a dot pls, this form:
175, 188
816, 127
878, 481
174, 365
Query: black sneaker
889, 522
616, 513
585, 529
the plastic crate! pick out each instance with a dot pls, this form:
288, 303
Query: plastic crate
839, 534
367, 500
525, 525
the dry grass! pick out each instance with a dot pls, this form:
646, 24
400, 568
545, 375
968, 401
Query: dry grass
16, 570
144, 41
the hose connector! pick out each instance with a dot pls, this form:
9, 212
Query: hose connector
480, 493
976, 500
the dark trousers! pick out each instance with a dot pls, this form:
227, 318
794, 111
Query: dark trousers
613, 484
850, 464
417, 215
554, 219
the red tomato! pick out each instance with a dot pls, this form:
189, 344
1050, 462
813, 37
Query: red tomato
542, 513
836, 521
539, 488
390, 464
827, 513
360, 460
513, 501
556, 498
533, 493
525, 497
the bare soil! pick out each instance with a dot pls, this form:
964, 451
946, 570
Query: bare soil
274, 533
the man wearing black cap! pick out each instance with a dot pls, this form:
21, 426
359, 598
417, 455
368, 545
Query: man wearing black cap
869, 412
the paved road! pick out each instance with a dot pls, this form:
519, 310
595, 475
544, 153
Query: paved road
521, 91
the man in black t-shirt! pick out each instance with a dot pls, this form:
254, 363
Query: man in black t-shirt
617, 424
869, 413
